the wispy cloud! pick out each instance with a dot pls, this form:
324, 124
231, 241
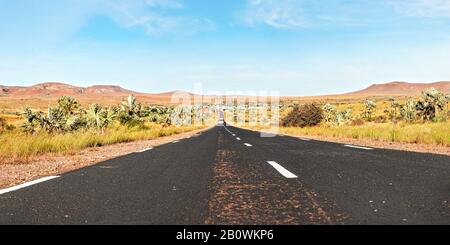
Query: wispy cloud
284, 14
154, 16
56, 19
297, 14
423, 8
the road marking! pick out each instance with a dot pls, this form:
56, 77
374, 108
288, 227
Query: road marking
238, 138
228, 130
305, 139
282, 170
108, 167
358, 147
234, 135
17, 187
143, 150
247, 144
176, 141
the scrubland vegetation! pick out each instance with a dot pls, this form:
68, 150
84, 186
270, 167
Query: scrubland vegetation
413, 120
68, 126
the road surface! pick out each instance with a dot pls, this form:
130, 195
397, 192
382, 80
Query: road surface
229, 175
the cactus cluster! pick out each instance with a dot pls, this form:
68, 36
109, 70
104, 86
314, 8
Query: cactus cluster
332, 115
68, 116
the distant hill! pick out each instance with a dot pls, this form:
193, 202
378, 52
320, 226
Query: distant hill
399, 89
59, 89
42, 94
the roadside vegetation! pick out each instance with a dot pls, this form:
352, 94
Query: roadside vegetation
68, 127
412, 120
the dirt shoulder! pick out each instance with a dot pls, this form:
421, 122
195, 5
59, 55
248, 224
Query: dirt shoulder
414, 147
55, 164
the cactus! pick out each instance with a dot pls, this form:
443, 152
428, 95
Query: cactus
392, 111
68, 116
99, 117
432, 100
408, 110
369, 107
329, 113
343, 117
68, 105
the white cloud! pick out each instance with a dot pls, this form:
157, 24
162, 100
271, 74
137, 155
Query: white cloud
295, 14
56, 19
423, 8
283, 14
154, 16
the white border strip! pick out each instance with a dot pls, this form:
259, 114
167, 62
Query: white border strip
282, 170
304, 139
144, 150
17, 187
247, 144
358, 147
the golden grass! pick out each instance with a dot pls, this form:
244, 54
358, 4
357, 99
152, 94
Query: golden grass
435, 133
20, 145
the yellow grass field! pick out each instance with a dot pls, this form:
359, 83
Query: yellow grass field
19, 145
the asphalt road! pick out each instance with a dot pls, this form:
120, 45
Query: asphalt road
218, 178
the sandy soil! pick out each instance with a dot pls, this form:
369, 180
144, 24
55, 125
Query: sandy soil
55, 164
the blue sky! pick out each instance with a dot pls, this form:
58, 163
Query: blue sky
294, 47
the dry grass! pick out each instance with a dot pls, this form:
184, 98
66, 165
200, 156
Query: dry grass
19, 145
434, 133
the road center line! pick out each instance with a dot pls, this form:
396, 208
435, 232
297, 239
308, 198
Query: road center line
228, 130
247, 144
282, 170
358, 147
17, 187
238, 138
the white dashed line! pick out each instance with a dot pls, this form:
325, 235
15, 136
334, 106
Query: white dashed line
228, 130
238, 138
143, 150
282, 170
247, 144
17, 187
358, 147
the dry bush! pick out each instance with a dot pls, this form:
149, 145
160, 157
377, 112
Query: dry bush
357, 122
303, 116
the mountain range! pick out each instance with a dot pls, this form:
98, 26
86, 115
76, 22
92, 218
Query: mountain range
112, 93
